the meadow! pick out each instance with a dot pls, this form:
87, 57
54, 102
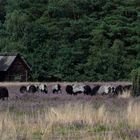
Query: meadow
66, 117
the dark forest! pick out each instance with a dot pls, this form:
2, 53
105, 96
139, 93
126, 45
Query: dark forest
73, 40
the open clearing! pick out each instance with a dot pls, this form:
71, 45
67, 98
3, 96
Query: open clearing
65, 117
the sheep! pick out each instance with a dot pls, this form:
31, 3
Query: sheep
43, 88
78, 89
23, 89
118, 90
104, 90
4, 93
87, 90
31, 89
95, 90
56, 89
127, 87
69, 89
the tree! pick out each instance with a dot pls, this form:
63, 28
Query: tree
73, 40
136, 82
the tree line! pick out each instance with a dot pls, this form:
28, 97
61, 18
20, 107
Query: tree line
73, 40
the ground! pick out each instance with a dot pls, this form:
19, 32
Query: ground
65, 117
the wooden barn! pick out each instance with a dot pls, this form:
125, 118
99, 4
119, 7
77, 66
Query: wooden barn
13, 67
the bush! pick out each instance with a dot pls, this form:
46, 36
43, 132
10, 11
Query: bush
136, 82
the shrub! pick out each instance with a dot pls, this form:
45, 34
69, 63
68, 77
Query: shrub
136, 82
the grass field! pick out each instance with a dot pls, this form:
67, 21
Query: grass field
65, 117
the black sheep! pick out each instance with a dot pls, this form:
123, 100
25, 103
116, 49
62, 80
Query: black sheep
32, 89
87, 90
23, 89
95, 89
118, 90
127, 87
4, 93
69, 89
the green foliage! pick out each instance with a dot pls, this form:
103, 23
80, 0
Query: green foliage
73, 40
136, 82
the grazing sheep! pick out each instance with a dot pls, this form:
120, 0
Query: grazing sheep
23, 89
56, 89
113, 90
69, 89
4, 93
37, 87
104, 90
127, 87
118, 90
31, 89
77, 89
43, 88
87, 90
95, 90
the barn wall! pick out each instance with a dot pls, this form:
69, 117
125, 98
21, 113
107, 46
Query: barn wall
2, 76
17, 72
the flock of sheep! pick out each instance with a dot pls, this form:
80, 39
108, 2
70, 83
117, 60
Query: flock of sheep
75, 89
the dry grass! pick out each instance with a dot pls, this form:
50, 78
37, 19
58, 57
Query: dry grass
125, 94
72, 121
77, 112
133, 114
